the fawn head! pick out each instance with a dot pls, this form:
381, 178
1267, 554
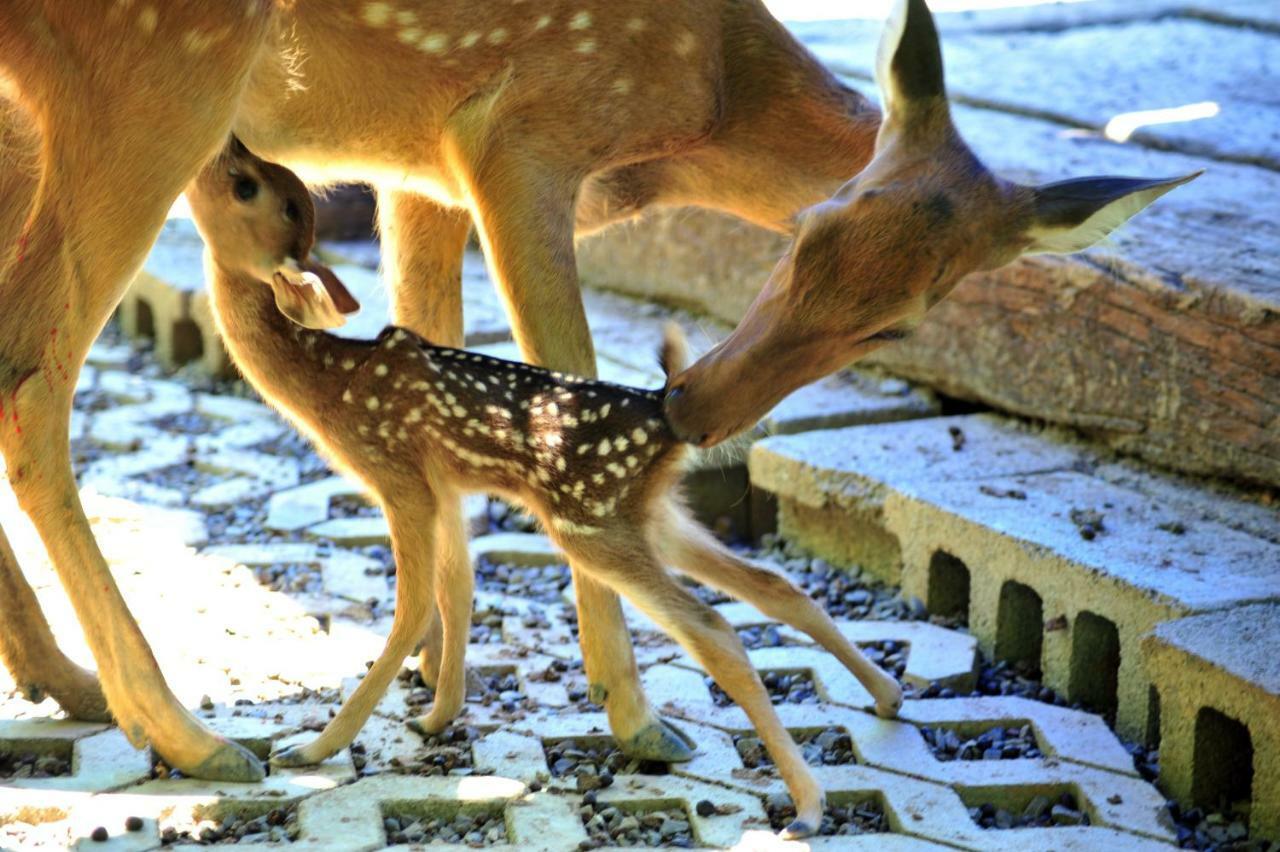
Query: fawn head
258, 219
865, 265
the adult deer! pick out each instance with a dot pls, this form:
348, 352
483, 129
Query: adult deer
535, 122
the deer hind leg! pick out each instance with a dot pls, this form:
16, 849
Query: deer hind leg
413, 535
455, 586
29, 652
626, 561
523, 210
422, 245
696, 552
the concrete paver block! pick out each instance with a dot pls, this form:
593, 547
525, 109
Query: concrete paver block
987, 516
1218, 678
348, 575
101, 758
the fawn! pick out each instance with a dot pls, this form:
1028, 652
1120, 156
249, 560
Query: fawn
418, 424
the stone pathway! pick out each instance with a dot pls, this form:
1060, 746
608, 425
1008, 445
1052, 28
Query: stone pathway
265, 585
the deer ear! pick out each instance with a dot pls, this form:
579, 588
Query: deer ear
1071, 215
909, 61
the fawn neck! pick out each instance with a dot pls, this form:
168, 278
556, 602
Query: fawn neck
290, 364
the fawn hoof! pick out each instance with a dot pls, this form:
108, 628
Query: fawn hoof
230, 762
797, 829
660, 740
887, 708
428, 725
293, 757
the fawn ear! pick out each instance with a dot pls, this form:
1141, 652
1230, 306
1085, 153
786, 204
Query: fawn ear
311, 295
909, 62
1071, 215
338, 294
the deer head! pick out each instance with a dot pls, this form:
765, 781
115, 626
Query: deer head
865, 265
258, 220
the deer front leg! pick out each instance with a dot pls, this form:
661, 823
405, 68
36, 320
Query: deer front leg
422, 245
37, 451
524, 214
413, 523
29, 652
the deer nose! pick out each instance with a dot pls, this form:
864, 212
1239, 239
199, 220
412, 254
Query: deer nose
677, 396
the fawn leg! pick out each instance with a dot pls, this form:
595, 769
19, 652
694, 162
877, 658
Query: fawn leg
629, 565
697, 553
413, 525
455, 584
524, 216
29, 652
422, 245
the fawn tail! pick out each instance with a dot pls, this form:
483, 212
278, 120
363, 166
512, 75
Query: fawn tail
674, 354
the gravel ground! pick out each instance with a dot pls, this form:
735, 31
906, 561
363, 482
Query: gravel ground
1042, 811
295, 577
593, 762
543, 584
860, 817
831, 747
783, 687
612, 826
994, 744
486, 828
32, 765
276, 826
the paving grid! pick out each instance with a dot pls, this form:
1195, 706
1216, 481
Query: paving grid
523, 649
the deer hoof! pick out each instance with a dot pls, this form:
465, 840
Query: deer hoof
796, 830
292, 757
428, 725
660, 741
230, 762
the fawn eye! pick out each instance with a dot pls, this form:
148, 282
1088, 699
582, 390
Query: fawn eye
291, 210
246, 188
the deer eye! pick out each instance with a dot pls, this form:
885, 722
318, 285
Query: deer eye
291, 210
246, 188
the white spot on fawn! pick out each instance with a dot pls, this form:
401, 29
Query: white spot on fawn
371, 403
580, 21
639, 435
637, 25
434, 43
542, 23
604, 447
621, 86
685, 43
469, 40
376, 14
587, 45
497, 36
348, 364
380, 370
147, 19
